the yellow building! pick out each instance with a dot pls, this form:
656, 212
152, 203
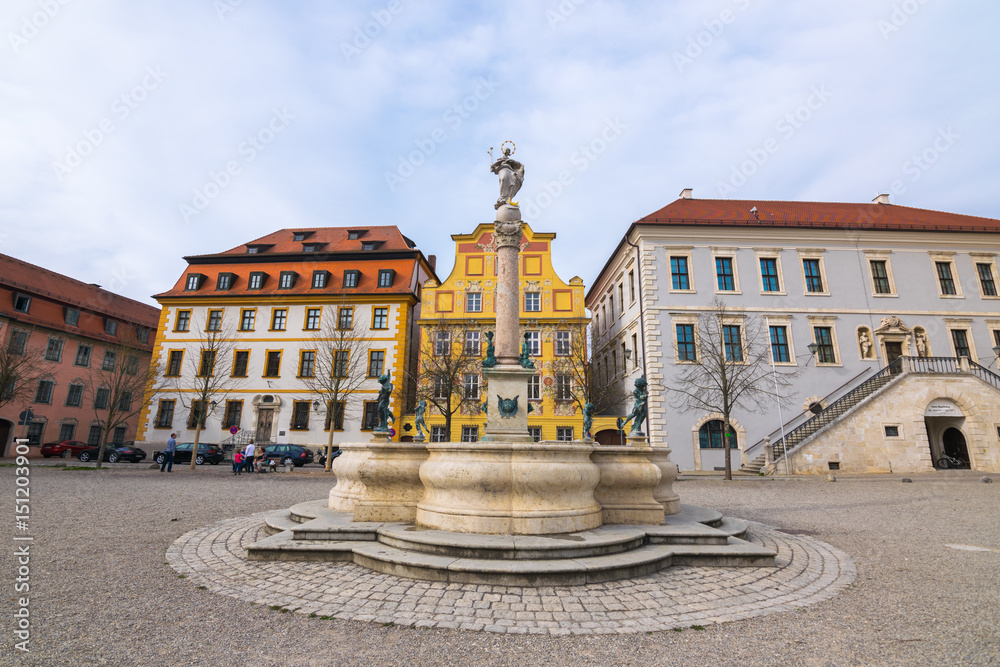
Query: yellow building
456, 316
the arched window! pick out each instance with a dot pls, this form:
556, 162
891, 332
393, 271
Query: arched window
710, 435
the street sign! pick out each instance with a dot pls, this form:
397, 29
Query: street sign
25, 417
392, 432
234, 429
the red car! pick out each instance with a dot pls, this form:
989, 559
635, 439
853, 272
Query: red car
65, 449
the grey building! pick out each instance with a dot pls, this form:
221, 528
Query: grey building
900, 306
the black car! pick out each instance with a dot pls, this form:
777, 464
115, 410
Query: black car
114, 453
296, 454
321, 455
206, 454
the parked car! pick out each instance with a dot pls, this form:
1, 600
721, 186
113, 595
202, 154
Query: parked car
321, 455
296, 454
114, 453
206, 454
65, 449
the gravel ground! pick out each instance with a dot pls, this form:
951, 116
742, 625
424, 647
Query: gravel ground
102, 594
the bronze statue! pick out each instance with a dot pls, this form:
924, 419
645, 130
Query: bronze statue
638, 414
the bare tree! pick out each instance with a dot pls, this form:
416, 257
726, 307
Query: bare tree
445, 359
19, 368
207, 381
587, 386
339, 367
731, 368
121, 385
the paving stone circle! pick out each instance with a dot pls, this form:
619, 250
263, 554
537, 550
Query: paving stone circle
809, 571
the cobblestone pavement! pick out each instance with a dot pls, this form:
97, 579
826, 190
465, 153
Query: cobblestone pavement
809, 571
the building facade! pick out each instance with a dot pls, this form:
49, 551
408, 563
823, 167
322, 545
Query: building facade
58, 336
269, 309
552, 317
879, 291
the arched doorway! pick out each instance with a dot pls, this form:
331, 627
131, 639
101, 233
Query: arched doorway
609, 437
954, 446
945, 422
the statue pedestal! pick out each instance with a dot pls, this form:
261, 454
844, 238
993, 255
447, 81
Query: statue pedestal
664, 492
628, 479
507, 381
391, 480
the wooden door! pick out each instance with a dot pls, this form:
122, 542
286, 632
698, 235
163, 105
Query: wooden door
265, 419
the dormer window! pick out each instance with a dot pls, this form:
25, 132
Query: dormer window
287, 279
312, 247
110, 326
352, 278
253, 249
194, 282
257, 279
71, 315
257, 248
355, 234
301, 236
22, 303
385, 277
320, 279
225, 281
370, 245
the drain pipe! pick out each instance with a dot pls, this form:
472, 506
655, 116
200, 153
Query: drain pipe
642, 323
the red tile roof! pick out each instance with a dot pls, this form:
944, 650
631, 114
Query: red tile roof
831, 215
335, 238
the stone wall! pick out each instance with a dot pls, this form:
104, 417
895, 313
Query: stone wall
860, 445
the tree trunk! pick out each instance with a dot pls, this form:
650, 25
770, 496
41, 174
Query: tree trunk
100, 452
329, 445
194, 447
726, 445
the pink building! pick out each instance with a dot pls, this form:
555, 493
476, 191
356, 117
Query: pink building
68, 329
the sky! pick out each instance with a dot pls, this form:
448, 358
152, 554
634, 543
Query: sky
133, 134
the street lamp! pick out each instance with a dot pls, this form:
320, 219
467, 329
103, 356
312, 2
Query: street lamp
813, 348
996, 355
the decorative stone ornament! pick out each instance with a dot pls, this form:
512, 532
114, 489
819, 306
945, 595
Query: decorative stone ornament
507, 406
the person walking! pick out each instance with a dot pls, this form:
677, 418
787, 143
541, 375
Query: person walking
168, 458
248, 454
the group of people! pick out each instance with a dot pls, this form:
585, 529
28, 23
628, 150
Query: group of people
251, 459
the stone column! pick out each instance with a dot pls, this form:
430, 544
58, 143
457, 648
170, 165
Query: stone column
507, 231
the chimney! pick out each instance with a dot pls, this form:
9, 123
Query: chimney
686, 193
433, 261
881, 199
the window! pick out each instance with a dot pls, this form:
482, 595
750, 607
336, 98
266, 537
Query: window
532, 302
118, 436
312, 247
471, 386
380, 318
892, 431
439, 434
102, 398
472, 346
354, 234
631, 286
247, 317
880, 276
35, 430
197, 414
174, 360
352, 278
779, 345
72, 316
769, 274
442, 343
66, 431
562, 346
621, 299
686, 350
22, 303
825, 353
960, 341
82, 355
110, 358
253, 250
256, 280
534, 343
300, 416
564, 433
385, 277
732, 342
125, 401
18, 342
946, 282
272, 367
142, 334
345, 318
987, 284
132, 364
241, 359
307, 363
340, 360
370, 245
183, 320
193, 281
279, 316
336, 410
536, 433
286, 279
44, 392
165, 414
442, 390
635, 346
369, 419
725, 280
535, 388
470, 434
214, 321
110, 326
710, 435
224, 281
564, 387
313, 318
74, 397
376, 363
53, 351
814, 278
207, 366
94, 436
473, 302
320, 279
300, 236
